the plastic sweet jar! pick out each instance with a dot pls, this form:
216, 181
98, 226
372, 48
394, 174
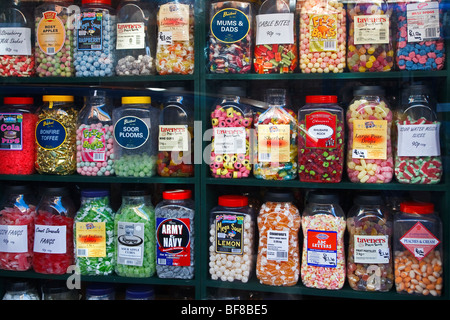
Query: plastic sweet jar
140, 292
369, 150
176, 137
230, 39
417, 145
17, 214
53, 236
370, 262
20, 290
323, 256
58, 290
321, 131
175, 235
95, 41
135, 142
100, 291
420, 35
275, 41
370, 45
134, 233
95, 142
418, 245
136, 38
277, 132
55, 35
323, 36
232, 121
17, 131
175, 44
56, 136
94, 233
278, 258
232, 239
17, 51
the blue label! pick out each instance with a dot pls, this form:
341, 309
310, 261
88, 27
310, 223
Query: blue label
50, 134
131, 132
230, 25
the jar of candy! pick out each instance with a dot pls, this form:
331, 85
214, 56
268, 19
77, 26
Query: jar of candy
56, 134
175, 46
231, 25
275, 41
139, 292
369, 151
276, 131
420, 35
418, 244
100, 291
135, 132
175, 138
94, 234
323, 257
136, 38
94, 46
175, 235
278, 259
370, 263
323, 36
417, 156
95, 152
134, 232
18, 124
232, 122
321, 131
53, 235
232, 239
54, 20
58, 290
17, 46
17, 214
20, 290
370, 40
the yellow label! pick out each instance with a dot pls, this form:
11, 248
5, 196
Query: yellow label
174, 19
323, 32
90, 239
369, 139
274, 143
50, 33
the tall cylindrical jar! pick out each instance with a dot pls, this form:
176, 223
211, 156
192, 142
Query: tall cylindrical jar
369, 150
417, 148
136, 38
232, 239
55, 27
323, 254
418, 243
56, 136
18, 140
175, 235
53, 235
135, 137
370, 263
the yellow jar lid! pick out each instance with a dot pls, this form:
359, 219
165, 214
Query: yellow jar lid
58, 98
136, 100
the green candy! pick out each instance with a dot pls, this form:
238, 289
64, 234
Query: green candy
139, 165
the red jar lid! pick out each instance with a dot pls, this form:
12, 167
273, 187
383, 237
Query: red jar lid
321, 99
417, 207
18, 100
177, 194
107, 2
233, 201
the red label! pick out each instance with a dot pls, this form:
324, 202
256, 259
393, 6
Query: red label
322, 240
419, 241
320, 130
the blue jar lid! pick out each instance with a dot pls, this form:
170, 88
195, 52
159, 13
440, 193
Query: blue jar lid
94, 193
99, 289
139, 292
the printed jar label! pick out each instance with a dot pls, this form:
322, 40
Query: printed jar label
11, 131
50, 134
278, 245
130, 36
13, 239
369, 139
275, 28
90, 239
230, 25
173, 138
130, 243
49, 239
371, 29
173, 23
419, 241
229, 140
93, 145
323, 32
418, 140
423, 21
321, 248
50, 33
229, 233
320, 130
90, 31
274, 143
173, 242
371, 249
15, 41
131, 132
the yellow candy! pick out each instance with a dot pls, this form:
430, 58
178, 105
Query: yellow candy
362, 69
371, 50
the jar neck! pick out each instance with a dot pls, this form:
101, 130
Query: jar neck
136, 200
102, 201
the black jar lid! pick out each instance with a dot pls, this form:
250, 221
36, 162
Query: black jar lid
18, 189
368, 199
323, 197
279, 196
56, 191
369, 91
